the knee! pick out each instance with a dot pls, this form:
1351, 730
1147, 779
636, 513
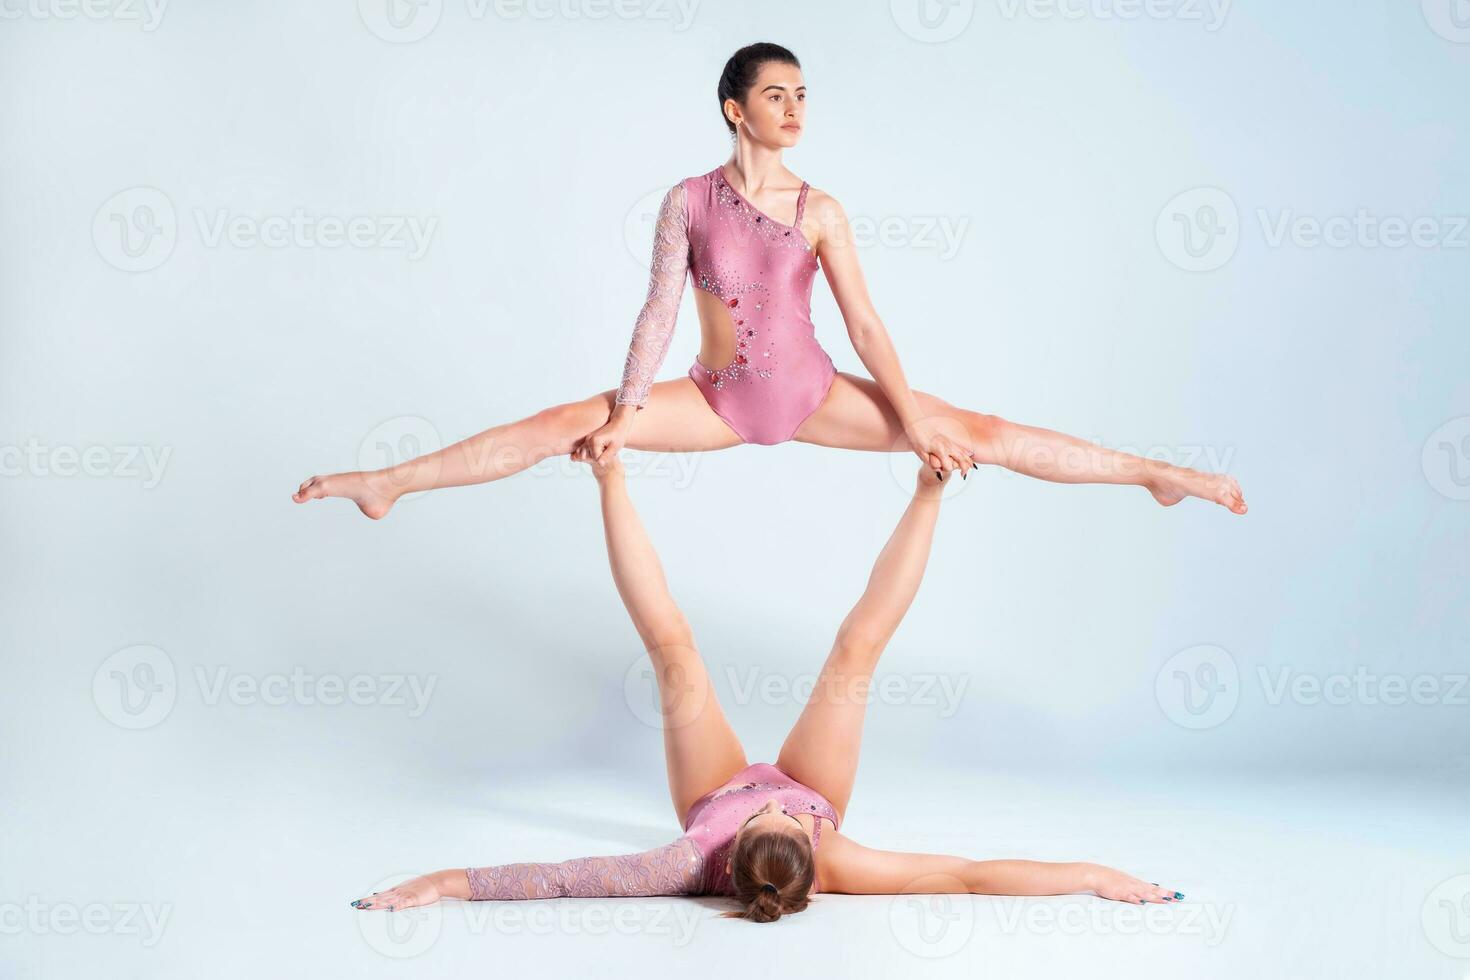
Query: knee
571, 421
983, 428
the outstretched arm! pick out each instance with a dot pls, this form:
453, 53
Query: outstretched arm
939, 449
673, 869
851, 868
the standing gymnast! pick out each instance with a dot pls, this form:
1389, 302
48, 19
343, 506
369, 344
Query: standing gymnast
761, 377
766, 834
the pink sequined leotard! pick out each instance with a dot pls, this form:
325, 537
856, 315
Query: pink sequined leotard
762, 272
694, 864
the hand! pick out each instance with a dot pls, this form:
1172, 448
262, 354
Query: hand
938, 450
1113, 884
606, 440
409, 895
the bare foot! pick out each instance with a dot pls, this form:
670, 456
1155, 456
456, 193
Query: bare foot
1177, 483
371, 496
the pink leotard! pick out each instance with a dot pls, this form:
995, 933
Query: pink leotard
694, 864
762, 271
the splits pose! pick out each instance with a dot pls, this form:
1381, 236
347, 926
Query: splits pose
760, 376
765, 834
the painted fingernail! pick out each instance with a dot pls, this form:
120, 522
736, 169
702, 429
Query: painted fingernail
1178, 894
938, 474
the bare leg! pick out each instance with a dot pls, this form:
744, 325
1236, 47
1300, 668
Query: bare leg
700, 747
857, 415
822, 749
676, 418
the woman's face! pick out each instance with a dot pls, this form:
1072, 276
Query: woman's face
771, 817
774, 111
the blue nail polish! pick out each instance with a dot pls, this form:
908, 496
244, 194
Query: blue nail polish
1178, 894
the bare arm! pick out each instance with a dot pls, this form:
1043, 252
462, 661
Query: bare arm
871, 341
851, 868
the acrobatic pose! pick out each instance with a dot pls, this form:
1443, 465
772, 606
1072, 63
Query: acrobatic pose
760, 376
757, 831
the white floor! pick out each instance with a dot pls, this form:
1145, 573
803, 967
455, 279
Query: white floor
246, 868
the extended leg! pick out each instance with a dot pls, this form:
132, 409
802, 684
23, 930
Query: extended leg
675, 419
857, 415
822, 749
699, 745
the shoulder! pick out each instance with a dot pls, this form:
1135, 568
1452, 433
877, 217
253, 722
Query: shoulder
823, 205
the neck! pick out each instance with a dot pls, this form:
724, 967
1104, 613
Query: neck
753, 167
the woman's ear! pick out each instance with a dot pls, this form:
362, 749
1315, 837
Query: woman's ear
727, 865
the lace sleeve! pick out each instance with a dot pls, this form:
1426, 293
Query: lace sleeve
673, 869
655, 324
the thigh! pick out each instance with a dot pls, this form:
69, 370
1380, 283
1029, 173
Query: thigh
700, 748
822, 749
857, 415
675, 419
